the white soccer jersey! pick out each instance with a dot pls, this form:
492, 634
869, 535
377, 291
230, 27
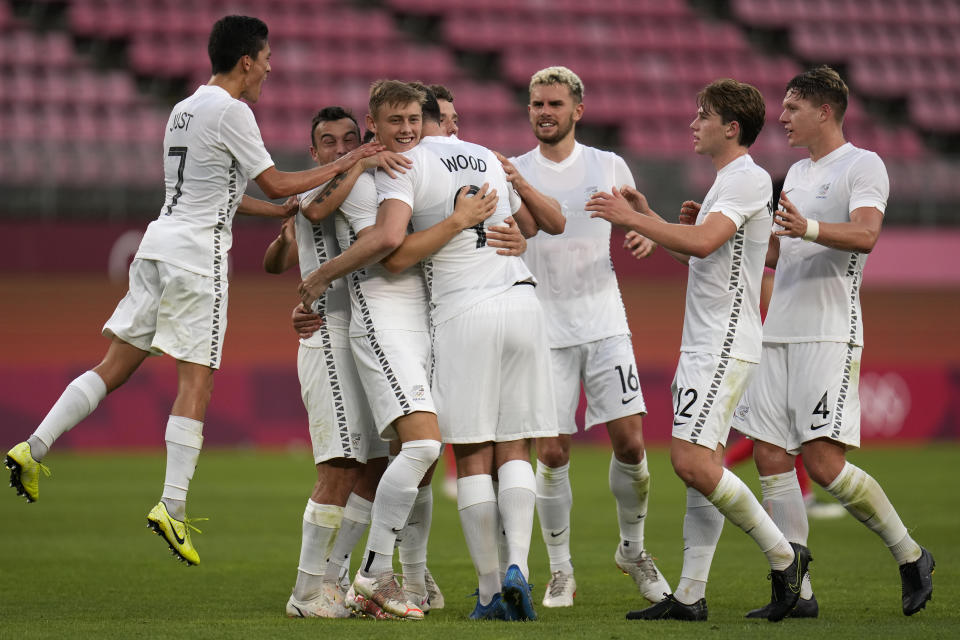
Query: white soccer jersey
578, 287
315, 245
211, 147
722, 315
466, 270
380, 300
816, 291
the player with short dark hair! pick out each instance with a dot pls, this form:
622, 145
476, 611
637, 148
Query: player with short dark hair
177, 298
805, 397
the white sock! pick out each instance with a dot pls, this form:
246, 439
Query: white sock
517, 500
863, 497
630, 484
554, 502
502, 547
356, 519
184, 438
413, 541
479, 518
702, 525
76, 402
740, 506
320, 525
784, 502
395, 496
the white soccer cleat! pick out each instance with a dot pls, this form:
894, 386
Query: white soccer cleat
433, 590
651, 583
384, 591
329, 604
560, 590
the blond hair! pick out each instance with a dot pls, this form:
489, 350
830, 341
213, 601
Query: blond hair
393, 93
559, 75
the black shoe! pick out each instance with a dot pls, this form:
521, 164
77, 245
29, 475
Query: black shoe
916, 582
672, 609
804, 609
785, 584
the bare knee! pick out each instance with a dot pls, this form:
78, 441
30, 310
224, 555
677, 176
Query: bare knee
771, 459
552, 453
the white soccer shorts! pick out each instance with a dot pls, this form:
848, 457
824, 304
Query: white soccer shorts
341, 424
706, 389
803, 391
394, 368
174, 311
492, 380
608, 369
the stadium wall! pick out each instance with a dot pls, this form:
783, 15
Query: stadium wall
60, 282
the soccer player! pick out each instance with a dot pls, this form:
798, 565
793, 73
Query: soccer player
805, 397
449, 119
344, 440
390, 337
587, 331
490, 352
177, 298
720, 347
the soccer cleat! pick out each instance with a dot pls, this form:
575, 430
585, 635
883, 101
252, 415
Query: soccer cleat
651, 583
433, 591
785, 584
493, 610
560, 590
25, 472
916, 582
419, 600
176, 533
804, 609
515, 593
672, 609
329, 604
384, 591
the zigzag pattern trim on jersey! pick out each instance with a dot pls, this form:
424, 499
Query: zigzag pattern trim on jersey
218, 263
339, 407
367, 319
855, 274
735, 285
427, 266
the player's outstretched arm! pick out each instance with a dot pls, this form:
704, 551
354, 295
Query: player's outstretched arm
372, 245
469, 211
699, 240
280, 184
250, 206
282, 252
860, 234
507, 238
545, 212
325, 200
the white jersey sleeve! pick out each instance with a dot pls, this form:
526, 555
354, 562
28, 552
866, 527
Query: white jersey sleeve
211, 147
380, 300
578, 286
722, 310
816, 290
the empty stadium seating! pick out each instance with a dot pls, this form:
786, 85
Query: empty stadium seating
642, 62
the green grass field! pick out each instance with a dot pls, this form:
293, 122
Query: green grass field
81, 562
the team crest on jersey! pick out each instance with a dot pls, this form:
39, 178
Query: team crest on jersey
355, 441
589, 191
741, 412
824, 188
418, 392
